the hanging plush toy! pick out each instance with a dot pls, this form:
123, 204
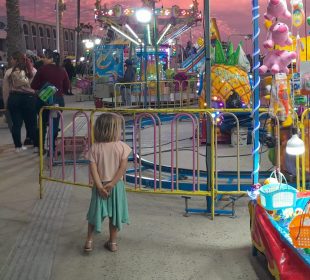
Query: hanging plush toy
278, 34
277, 9
277, 61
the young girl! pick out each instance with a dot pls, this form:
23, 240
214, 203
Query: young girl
108, 158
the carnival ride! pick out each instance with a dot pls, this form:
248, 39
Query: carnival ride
196, 61
151, 50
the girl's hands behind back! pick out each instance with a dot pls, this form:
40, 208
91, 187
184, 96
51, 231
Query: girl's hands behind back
108, 187
103, 192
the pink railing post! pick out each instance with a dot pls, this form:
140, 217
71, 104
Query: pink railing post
74, 138
51, 140
137, 124
194, 125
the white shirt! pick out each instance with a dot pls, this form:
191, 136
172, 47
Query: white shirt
7, 87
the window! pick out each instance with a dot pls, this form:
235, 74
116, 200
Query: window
48, 35
34, 36
66, 47
33, 30
26, 34
25, 28
41, 31
54, 33
71, 42
66, 36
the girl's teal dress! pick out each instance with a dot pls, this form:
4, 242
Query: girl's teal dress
114, 207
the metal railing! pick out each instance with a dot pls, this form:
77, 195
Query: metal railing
172, 94
164, 179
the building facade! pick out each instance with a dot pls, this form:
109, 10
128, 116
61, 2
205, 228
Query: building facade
41, 35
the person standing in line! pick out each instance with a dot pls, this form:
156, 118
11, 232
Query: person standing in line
129, 77
108, 158
20, 99
71, 73
51, 72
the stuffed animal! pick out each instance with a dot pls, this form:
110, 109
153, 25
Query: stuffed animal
276, 61
278, 34
277, 9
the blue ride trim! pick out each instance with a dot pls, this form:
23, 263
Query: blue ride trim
189, 172
166, 184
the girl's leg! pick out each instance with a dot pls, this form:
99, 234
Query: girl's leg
111, 243
90, 232
88, 247
113, 232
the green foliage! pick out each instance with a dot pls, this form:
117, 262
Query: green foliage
230, 50
220, 57
230, 58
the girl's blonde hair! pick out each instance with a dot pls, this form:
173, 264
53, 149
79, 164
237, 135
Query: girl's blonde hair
108, 128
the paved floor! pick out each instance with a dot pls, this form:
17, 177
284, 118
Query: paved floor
43, 239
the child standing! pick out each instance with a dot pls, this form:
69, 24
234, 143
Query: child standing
108, 158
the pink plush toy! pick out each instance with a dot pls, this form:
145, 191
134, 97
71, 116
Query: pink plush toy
277, 9
278, 35
276, 61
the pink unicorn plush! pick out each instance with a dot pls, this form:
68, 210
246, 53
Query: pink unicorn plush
278, 34
277, 9
276, 61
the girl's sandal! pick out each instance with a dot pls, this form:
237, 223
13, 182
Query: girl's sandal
88, 247
111, 246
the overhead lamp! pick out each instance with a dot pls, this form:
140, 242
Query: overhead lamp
132, 32
125, 35
149, 34
164, 33
89, 44
295, 146
144, 15
97, 41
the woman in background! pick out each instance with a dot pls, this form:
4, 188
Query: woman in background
51, 72
20, 99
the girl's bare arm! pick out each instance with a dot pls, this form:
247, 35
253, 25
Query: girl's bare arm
118, 175
94, 172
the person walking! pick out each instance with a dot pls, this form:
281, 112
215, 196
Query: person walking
51, 72
20, 99
108, 158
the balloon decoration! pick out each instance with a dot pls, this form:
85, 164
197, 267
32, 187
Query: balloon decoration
308, 20
298, 15
268, 23
200, 42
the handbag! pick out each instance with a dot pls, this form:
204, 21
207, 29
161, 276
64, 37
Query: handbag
47, 92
